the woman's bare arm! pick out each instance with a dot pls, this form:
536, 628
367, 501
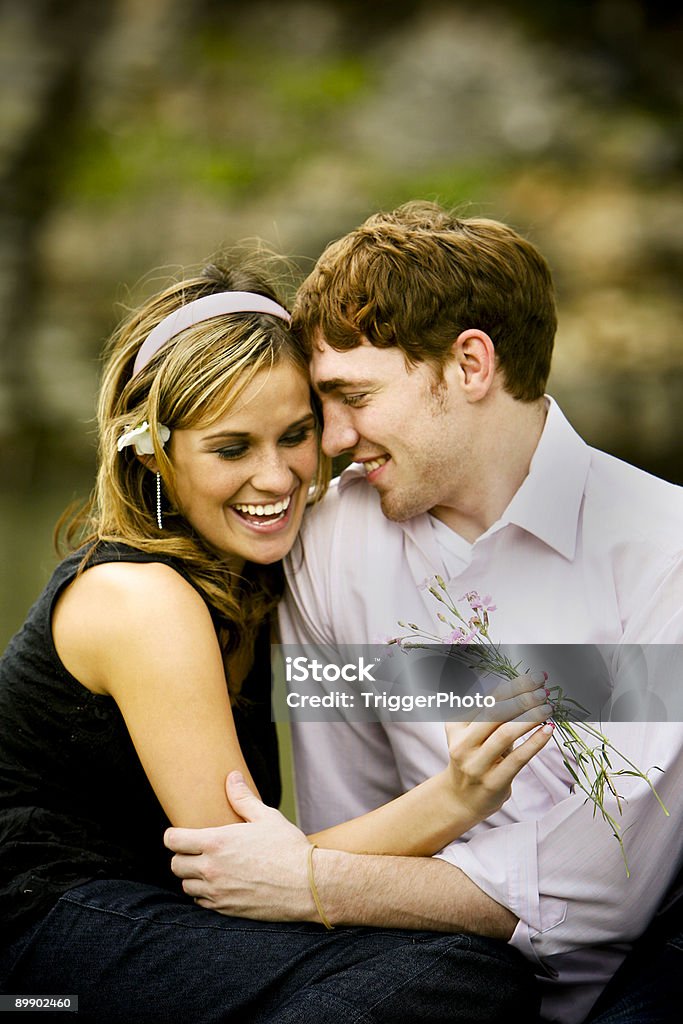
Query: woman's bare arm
143, 635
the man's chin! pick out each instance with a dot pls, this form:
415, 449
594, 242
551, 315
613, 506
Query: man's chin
398, 509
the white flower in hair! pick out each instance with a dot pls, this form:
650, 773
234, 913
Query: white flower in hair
141, 438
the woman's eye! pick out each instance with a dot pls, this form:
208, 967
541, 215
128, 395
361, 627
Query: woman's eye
234, 452
298, 437
355, 400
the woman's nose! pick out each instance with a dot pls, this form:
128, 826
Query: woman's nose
274, 475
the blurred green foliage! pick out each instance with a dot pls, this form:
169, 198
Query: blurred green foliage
143, 135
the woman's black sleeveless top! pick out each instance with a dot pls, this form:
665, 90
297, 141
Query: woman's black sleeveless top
75, 803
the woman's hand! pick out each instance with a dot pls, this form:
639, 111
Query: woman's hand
483, 761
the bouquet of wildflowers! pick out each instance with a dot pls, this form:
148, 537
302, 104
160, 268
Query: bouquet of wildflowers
586, 752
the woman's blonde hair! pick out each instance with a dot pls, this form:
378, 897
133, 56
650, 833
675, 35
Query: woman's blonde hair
189, 381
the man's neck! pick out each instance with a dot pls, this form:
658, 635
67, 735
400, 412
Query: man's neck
516, 429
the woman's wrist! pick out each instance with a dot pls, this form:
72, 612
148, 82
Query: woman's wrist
461, 816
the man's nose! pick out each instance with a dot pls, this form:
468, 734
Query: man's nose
339, 434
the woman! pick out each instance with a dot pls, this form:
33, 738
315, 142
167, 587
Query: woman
141, 679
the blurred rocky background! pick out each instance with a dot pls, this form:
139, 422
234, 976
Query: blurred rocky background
140, 135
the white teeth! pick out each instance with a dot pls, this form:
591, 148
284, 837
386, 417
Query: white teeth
375, 463
265, 510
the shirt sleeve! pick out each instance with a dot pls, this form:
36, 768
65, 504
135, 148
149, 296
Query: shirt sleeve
653, 646
564, 875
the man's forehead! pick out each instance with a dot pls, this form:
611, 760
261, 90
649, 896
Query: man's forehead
329, 363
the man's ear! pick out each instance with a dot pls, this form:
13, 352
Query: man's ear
474, 360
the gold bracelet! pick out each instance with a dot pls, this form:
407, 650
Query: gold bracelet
314, 890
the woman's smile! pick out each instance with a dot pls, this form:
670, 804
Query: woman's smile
242, 480
269, 517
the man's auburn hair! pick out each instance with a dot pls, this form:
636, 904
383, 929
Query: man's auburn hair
419, 276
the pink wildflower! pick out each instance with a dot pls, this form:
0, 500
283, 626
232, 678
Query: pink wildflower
469, 639
459, 636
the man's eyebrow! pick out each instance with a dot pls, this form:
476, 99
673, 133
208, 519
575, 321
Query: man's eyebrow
324, 387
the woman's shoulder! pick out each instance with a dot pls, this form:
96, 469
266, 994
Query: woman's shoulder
115, 606
117, 570
117, 576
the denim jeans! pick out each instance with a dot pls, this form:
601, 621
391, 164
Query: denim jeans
140, 955
649, 988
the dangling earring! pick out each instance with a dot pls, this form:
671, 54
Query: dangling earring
159, 522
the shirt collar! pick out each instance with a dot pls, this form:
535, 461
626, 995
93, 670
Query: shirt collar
548, 503
353, 472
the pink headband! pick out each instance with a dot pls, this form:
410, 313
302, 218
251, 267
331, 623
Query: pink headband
204, 309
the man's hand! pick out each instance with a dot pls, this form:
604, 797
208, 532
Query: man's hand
256, 869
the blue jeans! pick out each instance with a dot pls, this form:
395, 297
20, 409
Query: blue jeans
138, 954
648, 989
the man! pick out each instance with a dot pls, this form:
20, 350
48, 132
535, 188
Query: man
430, 341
